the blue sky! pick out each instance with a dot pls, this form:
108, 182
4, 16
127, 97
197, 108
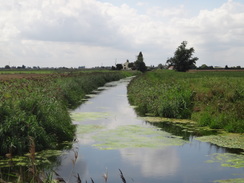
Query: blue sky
72, 33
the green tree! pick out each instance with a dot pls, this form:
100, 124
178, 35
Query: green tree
131, 65
7, 67
203, 66
119, 66
183, 60
140, 64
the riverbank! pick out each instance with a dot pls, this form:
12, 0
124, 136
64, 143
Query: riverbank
35, 109
213, 99
110, 135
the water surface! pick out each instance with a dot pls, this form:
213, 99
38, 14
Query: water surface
110, 136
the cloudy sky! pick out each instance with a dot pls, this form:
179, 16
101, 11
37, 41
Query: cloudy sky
72, 33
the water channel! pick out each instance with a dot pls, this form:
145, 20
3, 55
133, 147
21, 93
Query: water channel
110, 136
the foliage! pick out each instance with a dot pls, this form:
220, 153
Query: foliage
140, 64
7, 67
119, 66
170, 99
38, 108
213, 99
182, 60
204, 66
131, 65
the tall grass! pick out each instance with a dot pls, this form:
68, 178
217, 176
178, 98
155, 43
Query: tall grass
155, 95
214, 99
37, 108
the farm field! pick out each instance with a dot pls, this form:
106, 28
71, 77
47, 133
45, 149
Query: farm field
25, 73
213, 99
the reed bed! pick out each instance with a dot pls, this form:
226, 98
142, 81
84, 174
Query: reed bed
38, 108
214, 99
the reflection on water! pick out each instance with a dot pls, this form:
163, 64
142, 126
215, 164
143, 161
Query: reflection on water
152, 162
109, 111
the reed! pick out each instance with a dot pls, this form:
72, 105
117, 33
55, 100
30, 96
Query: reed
122, 176
213, 99
39, 108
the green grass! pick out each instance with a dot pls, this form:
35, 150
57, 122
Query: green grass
38, 108
214, 99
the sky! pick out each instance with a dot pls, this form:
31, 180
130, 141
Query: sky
90, 33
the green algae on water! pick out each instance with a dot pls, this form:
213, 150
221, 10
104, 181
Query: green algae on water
83, 116
161, 119
225, 140
85, 129
228, 159
134, 136
237, 180
41, 158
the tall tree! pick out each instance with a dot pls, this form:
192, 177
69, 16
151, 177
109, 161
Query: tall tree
139, 63
183, 60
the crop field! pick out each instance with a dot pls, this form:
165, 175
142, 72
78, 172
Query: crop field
214, 99
30, 73
34, 107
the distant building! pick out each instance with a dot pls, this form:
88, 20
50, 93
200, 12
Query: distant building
126, 65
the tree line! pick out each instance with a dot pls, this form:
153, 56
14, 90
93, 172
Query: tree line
182, 61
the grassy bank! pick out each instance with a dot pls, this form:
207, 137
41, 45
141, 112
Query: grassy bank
214, 99
37, 108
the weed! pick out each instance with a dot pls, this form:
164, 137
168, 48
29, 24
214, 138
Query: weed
212, 99
38, 107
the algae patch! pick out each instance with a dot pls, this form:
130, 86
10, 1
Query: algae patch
85, 129
161, 119
228, 159
177, 125
225, 140
41, 158
238, 180
83, 116
214, 136
134, 136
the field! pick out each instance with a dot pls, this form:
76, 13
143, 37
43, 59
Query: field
214, 99
34, 107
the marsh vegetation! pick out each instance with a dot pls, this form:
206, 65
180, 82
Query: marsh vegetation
214, 99
110, 136
37, 108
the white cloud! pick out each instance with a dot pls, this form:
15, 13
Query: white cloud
160, 13
66, 33
151, 162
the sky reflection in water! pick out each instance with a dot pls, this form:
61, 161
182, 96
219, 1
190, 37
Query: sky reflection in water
185, 162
